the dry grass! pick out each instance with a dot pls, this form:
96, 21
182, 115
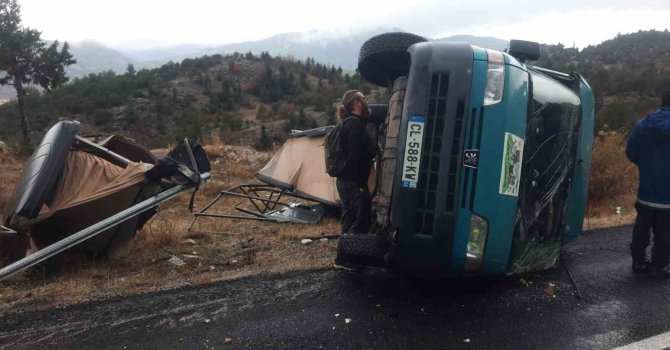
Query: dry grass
240, 248
227, 249
613, 182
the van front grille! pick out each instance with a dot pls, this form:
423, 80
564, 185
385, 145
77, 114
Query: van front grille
431, 150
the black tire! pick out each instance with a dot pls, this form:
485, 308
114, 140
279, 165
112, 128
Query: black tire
367, 249
384, 58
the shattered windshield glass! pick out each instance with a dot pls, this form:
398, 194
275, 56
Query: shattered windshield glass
549, 155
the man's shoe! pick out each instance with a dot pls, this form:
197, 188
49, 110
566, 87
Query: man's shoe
347, 266
659, 273
641, 266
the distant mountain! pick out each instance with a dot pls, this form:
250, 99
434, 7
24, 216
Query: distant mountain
332, 48
93, 57
164, 54
338, 48
328, 47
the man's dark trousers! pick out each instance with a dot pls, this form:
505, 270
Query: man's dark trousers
356, 207
657, 220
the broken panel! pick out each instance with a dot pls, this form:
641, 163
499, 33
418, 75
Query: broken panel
548, 162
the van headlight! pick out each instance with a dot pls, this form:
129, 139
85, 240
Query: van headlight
495, 78
479, 229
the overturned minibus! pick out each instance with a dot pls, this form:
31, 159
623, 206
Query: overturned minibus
485, 159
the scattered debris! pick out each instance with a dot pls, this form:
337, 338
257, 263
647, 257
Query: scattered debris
306, 241
233, 261
466, 340
323, 240
189, 241
228, 340
550, 289
211, 267
337, 315
207, 320
190, 256
176, 261
347, 320
523, 281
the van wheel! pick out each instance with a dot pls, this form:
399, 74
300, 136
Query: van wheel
367, 249
384, 58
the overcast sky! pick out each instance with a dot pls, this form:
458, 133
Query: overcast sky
163, 22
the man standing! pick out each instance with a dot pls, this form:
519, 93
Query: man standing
649, 148
359, 148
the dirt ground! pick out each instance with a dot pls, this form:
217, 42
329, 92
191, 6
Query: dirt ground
216, 250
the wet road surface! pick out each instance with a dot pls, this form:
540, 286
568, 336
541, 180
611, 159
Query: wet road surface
309, 310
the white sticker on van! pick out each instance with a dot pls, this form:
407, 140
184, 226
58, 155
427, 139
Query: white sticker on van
510, 172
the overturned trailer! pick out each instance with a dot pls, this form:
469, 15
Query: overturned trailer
95, 195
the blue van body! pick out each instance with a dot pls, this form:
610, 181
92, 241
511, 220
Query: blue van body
499, 180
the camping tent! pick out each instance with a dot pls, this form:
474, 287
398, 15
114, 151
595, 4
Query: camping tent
71, 183
300, 167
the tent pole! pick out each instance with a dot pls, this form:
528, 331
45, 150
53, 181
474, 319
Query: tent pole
93, 230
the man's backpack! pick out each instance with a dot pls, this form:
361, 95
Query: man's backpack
335, 157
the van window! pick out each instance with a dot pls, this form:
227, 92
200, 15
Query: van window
548, 158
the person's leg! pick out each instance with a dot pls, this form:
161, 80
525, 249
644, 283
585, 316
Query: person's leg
641, 235
363, 208
660, 256
348, 193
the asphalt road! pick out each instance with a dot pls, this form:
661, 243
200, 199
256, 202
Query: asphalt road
309, 310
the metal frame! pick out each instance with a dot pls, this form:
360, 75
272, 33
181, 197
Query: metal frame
7, 230
264, 198
94, 230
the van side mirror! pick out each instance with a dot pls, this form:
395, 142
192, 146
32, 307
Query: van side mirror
523, 50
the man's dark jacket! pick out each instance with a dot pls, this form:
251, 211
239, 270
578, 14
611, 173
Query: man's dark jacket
649, 148
359, 149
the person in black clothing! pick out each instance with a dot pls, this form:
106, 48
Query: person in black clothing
359, 148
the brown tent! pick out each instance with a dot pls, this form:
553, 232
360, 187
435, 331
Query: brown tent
71, 183
300, 166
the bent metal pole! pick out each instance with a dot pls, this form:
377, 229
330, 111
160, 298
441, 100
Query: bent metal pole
93, 230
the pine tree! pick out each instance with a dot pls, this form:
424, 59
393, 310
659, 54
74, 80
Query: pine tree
26, 59
264, 141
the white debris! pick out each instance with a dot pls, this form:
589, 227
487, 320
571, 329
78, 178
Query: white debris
207, 320
337, 315
347, 320
176, 261
306, 241
466, 340
190, 256
233, 261
189, 241
211, 267
324, 240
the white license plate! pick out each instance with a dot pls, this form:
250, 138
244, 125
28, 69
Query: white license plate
413, 142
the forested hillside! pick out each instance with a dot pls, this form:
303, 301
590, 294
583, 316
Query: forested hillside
627, 73
231, 96
235, 96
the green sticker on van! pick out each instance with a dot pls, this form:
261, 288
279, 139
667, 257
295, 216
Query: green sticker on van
510, 172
